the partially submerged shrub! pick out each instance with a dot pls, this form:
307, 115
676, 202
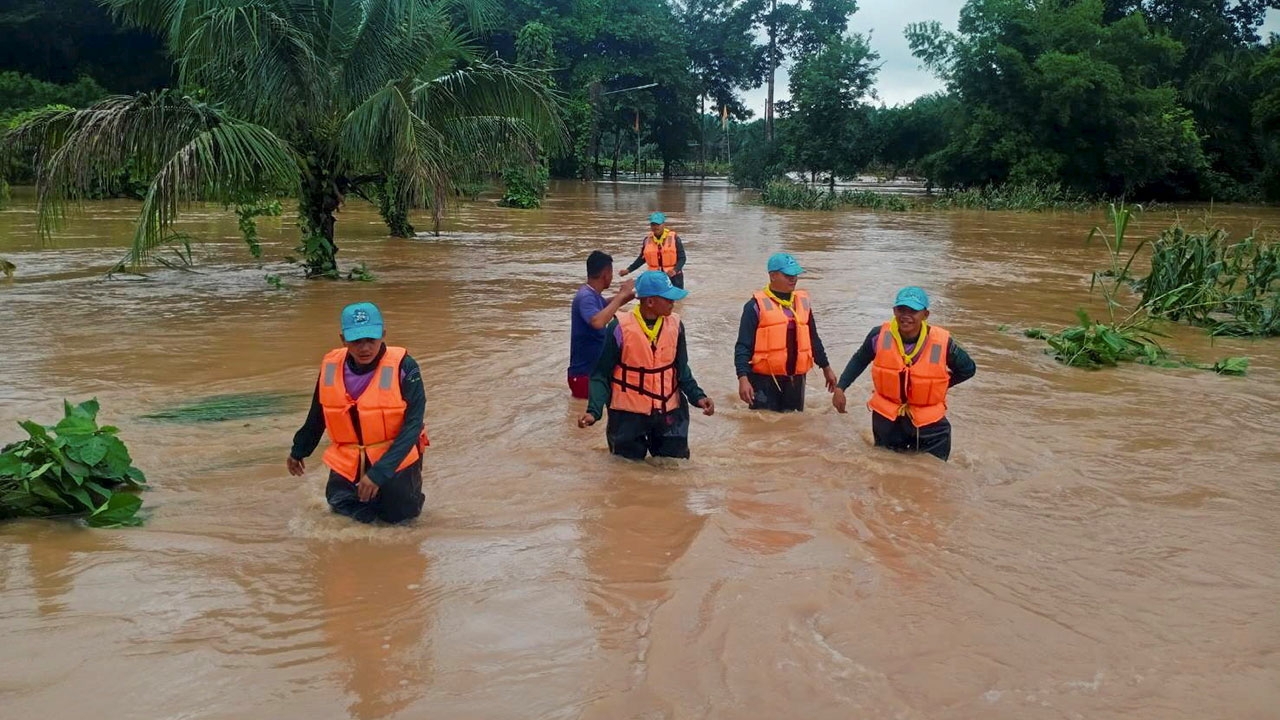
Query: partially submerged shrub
74, 468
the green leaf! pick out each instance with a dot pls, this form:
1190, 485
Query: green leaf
93, 450
76, 424
37, 431
119, 510
86, 503
1232, 366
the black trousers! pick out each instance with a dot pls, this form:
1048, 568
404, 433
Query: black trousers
779, 393
678, 280
633, 435
398, 499
901, 435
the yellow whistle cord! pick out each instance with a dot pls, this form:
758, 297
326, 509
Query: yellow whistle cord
897, 338
644, 325
785, 303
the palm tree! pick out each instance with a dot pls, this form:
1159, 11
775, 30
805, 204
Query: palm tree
385, 99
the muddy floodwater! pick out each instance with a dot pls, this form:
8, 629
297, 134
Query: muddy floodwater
1101, 545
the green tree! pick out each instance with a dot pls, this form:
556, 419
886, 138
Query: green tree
1051, 93
1266, 119
828, 118
320, 98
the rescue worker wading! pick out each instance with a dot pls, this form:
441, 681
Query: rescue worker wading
778, 342
369, 398
643, 376
913, 364
662, 251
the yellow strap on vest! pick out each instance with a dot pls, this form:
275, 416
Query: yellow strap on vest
897, 339
784, 303
644, 325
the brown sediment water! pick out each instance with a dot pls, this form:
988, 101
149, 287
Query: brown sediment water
1102, 544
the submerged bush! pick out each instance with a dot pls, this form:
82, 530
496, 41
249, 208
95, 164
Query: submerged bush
1206, 280
1014, 196
524, 189
74, 468
796, 196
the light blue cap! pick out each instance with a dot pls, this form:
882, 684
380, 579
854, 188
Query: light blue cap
785, 264
655, 283
361, 321
913, 297
658, 218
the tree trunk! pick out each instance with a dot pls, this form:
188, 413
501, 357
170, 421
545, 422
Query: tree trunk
320, 200
831, 183
394, 209
617, 152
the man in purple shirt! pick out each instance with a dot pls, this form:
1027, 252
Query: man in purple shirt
590, 314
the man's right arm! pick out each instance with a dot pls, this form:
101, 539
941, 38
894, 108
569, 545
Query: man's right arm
746, 345
600, 389
638, 261
860, 360
312, 431
606, 313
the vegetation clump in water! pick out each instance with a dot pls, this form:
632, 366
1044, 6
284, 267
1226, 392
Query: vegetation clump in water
1206, 280
1125, 337
74, 468
1024, 197
217, 408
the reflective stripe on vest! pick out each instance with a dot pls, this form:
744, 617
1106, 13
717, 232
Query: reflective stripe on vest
645, 379
380, 411
770, 354
925, 381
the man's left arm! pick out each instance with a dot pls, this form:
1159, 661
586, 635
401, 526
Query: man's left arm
819, 352
415, 398
959, 363
684, 374
680, 258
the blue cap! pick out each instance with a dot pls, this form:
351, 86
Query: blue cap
655, 283
658, 218
913, 297
785, 264
361, 321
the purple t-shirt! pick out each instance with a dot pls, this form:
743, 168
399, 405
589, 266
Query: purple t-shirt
585, 342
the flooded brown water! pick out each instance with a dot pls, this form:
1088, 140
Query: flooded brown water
1102, 545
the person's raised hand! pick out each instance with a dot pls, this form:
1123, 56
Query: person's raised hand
624, 273
746, 391
296, 466
628, 290
708, 406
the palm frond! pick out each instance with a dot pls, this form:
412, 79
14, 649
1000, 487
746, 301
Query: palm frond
493, 89
256, 44
193, 151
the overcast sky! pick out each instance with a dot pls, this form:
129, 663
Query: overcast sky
901, 79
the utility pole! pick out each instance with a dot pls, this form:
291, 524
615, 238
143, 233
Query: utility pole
773, 68
638, 87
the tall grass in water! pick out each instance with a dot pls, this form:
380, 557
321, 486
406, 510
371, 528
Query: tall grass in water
1128, 334
1015, 196
795, 196
1206, 280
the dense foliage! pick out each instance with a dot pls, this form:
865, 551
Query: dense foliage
74, 468
1149, 99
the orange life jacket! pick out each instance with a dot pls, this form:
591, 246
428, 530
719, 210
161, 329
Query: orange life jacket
661, 255
644, 381
380, 409
918, 390
770, 354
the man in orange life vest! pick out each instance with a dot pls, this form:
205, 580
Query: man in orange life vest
778, 342
662, 251
913, 364
369, 397
643, 376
